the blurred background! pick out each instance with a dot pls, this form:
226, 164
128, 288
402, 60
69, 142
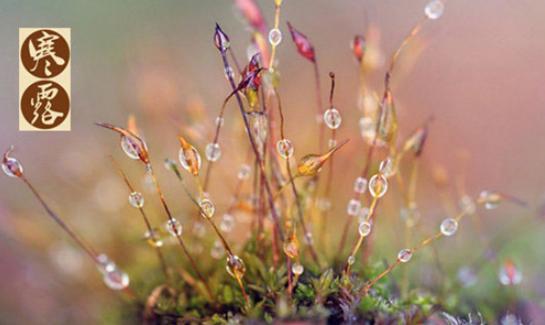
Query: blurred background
478, 71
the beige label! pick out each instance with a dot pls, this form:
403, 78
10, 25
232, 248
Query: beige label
44, 79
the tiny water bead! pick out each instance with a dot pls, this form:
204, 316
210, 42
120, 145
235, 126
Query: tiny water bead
217, 251
434, 9
136, 200
199, 229
351, 260
364, 228
449, 226
12, 167
404, 255
220, 121
297, 269
113, 277
207, 208
213, 151
131, 147
491, 200
364, 214
275, 36
227, 222
353, 207
467, 276
174, 227
190, 159
509, 274
360, 185
467, 205
235, 266
332, 118
378, 185
284, 148
229, 73
291, 248
153, 238
367, 128
244, 172
387, 167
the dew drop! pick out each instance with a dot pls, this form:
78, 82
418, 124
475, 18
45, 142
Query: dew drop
364, 228
491, 200
509, 274
235, 266
378, 185
136, 199
190, 159
351, 260
387, 167
153, 238
244, 172
332, 118
220, 121
275, 36
12, 167
467, 205
434, 9
207, 208
353, 207
449, 226
217, 251
284, 148
198, 229
213, 151
227, 222
229, 73
174, 227
404, 255
360, 185
130, 147
113, 277
297, 269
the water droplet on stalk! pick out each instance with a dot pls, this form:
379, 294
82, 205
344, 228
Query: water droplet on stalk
285, 148
332, 118
235, 266
275, 36
404, 255
213, 151
244, 172
11, 166
297, 269
207, 208
353, 207
174, 227
136, 199
434, 9
360, 185
449, 227
227, 222
378, 185
113, 277
364, 228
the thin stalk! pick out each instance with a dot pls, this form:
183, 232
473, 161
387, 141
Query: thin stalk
146, 220
307, 234
81, 243
329, 178
261, 164
427, 241
179, 237
387, 78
